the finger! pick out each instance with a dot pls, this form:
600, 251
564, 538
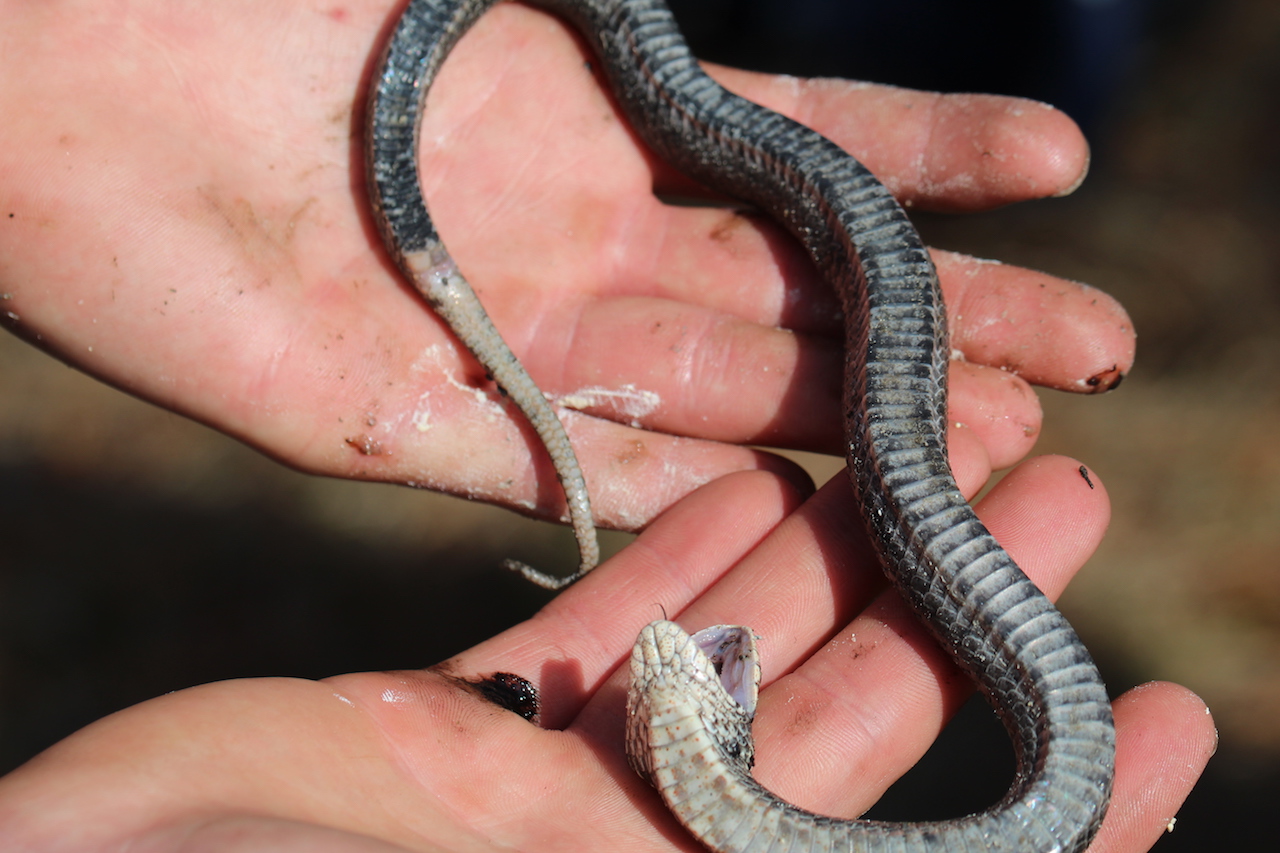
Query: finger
632, 475
861, 710
816, 566
971, 465
938, 152
877, 696
715, 258
688, 371
586, 630
1051, 332
569, 648
944, 152
1164, 738
1001, 409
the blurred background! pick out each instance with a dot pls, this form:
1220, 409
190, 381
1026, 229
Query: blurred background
143, 553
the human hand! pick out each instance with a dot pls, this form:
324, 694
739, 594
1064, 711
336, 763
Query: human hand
183, 214
855, 690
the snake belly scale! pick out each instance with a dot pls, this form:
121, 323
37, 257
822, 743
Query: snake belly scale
985, 612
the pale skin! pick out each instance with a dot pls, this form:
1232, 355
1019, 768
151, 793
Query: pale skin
182, 213
854, 692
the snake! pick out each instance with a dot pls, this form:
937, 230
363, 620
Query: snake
692, 696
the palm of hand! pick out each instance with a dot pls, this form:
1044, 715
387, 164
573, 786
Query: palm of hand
207, 180
414, 760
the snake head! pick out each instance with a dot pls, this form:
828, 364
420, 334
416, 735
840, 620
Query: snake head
696, 691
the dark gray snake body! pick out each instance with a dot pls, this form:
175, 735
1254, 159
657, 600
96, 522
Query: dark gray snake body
993, 621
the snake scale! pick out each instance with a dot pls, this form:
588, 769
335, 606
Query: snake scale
685, 733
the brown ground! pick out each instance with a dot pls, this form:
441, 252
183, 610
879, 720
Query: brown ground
143, 553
